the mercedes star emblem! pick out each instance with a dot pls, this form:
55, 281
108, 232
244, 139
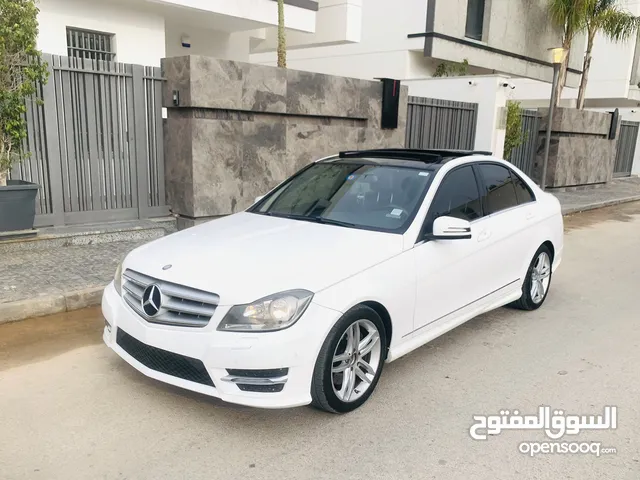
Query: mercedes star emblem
152, 300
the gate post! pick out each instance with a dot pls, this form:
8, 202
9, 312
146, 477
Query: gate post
140, 129
54, 164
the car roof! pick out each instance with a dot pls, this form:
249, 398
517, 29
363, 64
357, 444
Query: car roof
405, 157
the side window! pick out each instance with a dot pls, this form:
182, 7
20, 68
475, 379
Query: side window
457, 196
501, 191
523, 192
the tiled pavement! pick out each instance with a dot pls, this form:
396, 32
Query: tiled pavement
617, 191
59, 270
26, 275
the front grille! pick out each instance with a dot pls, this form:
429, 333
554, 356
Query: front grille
180, 305
164, 361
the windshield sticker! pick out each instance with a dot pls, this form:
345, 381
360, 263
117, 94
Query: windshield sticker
351, 177
395, 213
424, 174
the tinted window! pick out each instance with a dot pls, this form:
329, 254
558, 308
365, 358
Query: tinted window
475, 19
378, 197
501, 192
523, 192
457, 196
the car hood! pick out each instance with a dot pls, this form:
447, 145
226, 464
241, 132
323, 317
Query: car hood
246, 256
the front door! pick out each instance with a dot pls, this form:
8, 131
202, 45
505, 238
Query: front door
450, 273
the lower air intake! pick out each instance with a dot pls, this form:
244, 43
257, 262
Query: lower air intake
164, 361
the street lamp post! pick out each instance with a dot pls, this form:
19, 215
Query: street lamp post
559, 55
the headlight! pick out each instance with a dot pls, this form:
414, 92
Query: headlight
274, 312
117, 280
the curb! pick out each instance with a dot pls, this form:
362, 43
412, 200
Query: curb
595, 206
91, 297
41, 306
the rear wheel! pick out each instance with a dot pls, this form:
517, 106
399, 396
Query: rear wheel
350, 362
537, 282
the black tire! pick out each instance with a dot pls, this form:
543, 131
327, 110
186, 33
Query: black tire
525, 302
322, 394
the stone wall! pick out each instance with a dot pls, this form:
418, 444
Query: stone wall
580, 152
240, 129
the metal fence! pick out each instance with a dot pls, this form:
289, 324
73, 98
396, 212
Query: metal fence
626, 149
433, 123
524, 155
96, 143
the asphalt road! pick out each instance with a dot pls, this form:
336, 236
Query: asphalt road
71, 409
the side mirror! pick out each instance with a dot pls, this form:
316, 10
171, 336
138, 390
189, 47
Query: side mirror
258, 198
450, 228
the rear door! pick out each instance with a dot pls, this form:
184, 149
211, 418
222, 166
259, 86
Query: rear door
509, 207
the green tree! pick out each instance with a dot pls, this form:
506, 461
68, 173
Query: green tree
570, 16
21, 70
282, 40
614, 22
514, 136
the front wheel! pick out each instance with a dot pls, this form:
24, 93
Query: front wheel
537, 282
350, 362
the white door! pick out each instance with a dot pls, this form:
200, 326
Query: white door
509, 211
451, 273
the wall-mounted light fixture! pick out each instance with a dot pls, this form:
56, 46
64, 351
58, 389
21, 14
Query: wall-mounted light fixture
185, 40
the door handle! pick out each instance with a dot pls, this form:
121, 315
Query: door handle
484, 235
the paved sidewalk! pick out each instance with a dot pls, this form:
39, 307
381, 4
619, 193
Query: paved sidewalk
618, 191
62, 278
57, 279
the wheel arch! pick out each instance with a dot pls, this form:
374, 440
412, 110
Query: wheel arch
551, 247
384, 315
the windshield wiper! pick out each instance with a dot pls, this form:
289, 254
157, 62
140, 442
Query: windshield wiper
322, 220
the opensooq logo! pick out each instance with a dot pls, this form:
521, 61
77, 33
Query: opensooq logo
556, 424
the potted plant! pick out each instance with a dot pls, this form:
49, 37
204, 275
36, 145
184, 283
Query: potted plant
21, 71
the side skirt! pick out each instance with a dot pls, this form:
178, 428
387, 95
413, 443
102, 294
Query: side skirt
453, 320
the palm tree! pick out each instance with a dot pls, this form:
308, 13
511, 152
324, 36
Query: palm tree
282, 41
615, 23
570, 16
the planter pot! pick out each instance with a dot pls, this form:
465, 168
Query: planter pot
17, 205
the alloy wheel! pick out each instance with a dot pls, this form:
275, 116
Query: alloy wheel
540, 277
356, 360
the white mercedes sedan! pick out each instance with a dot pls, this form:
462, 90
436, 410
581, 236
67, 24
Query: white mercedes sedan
354, 261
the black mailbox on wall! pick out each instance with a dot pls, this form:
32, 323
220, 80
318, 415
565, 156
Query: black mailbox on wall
613, 128
390, 102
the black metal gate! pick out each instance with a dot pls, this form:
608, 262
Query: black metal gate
524, 155
96, 143
433, 123
626, 149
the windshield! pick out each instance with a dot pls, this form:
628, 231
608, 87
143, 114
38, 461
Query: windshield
376, 197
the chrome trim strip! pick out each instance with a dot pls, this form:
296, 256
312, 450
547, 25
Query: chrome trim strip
134, 289
256, 380
176, 305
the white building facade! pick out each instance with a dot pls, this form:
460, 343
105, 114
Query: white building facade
408, 39
144, 31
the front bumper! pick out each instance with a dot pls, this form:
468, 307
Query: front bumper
295, 349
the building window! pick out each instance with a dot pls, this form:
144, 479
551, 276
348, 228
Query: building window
475, 19
92, 45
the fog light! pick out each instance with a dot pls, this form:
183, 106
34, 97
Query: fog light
107, 325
